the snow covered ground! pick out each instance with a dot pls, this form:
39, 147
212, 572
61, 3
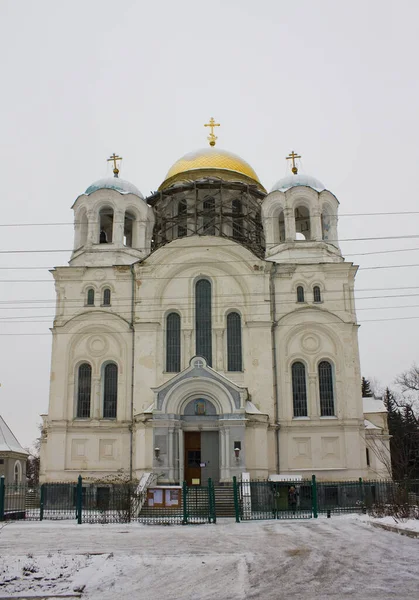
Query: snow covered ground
338, 558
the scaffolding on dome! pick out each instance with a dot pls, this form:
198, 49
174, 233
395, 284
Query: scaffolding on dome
209, 207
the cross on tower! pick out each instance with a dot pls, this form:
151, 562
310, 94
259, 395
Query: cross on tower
292, 156
114, 158
212, 138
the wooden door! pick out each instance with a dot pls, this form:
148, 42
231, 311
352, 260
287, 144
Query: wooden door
193, 457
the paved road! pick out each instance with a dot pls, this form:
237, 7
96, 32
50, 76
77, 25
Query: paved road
329, 559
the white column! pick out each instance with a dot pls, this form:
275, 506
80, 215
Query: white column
222, 453
181, 457
219, 349
138, 240
92, 227
95, 408
316, 226
170, 455
186, 351
313, 405
289, 225
227, 452
118, 228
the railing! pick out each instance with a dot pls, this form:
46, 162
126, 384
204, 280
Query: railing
86, 502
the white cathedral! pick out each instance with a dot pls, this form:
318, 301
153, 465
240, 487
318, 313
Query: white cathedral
206, 331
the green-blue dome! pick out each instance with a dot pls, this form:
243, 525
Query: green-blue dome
114, 183
290, 181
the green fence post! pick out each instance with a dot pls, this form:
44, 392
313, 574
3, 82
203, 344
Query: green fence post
2, 497
184, 503
210, 504
79, 499
214, 507
314, 497
361, 485
41, 502
236, 499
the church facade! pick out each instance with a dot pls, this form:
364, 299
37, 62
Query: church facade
206, 331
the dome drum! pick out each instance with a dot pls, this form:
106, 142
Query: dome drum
210, 207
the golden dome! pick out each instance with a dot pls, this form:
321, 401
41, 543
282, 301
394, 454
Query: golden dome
211, 159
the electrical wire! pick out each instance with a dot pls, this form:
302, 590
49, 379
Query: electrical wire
72, 223
129, 332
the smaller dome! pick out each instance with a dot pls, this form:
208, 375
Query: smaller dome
290, 181
114, 183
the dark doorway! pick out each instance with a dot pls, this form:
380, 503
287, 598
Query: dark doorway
193, 457
201, 457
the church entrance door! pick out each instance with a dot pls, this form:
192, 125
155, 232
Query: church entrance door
201, 457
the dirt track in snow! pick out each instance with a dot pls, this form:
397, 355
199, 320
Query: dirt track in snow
324, 559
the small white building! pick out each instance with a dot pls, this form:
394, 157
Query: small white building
12, 456
204, 331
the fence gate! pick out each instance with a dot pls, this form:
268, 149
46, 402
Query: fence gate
275, 500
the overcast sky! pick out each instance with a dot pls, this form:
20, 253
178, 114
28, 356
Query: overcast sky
336, 81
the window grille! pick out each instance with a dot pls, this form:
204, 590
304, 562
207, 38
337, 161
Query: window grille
84, 386
234, 342
182, 211
173, 343
299, 389
327, 403
209, 216
203, 324
90, 297
236, 207
110, 391
300, 293
317, 294
107, 297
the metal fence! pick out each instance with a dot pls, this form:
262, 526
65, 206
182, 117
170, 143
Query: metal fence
86, 502
275, 500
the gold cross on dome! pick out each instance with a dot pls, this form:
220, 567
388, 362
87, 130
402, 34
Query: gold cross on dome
212, 138
292, 156
114, 158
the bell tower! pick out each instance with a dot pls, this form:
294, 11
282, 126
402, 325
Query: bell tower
112, 223
300, 219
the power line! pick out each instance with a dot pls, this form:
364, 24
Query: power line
25, 319
72, 223
231, 275
201, 246
153, 330
79, 300
242, 260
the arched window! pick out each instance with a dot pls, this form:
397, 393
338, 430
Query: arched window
90, 297
106, 226
317, 294
84, 386
209, 216
300, 293
110, 391
327, 402
106, 297
17, 475
299, 389
203, 324
237, 216
302, 223
234, 342
182, 212
173, 343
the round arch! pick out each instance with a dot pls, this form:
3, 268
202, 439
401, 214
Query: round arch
198, 387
